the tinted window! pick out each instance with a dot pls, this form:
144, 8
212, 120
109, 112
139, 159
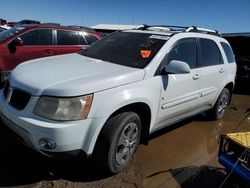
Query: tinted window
82, 40
68, 37
91, 38
210, 53
37, 37
125, 48
228, 51
184, 50
10, 32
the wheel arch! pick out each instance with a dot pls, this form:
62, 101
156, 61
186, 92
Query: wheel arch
230, 87
144, 112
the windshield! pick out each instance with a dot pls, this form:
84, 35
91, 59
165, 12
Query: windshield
127, 48
10, 32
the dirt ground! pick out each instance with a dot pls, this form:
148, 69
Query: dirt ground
183, 155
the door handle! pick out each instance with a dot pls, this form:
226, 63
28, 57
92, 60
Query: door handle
221, 70
48, 52
196, 77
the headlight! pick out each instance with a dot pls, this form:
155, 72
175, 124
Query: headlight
70, 108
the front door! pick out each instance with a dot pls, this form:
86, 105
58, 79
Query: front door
179, 92
36, 44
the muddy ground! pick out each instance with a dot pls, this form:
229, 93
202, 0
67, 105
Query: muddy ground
183, 155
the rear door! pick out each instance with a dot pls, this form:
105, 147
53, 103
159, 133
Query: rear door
36, 44
179, 92
211, 71
68, 41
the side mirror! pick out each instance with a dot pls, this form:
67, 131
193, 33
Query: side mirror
13, 44
17, 42
177, 67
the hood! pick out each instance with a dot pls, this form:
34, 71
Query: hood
71, 75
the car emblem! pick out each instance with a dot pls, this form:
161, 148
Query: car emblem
9, 94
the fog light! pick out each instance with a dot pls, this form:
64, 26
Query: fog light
47, 144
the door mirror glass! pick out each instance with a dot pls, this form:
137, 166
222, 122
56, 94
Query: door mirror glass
13, 44
177, 67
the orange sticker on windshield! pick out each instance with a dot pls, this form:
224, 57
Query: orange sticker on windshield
145, 53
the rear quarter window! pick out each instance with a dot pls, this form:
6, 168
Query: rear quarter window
91, 38
228, 51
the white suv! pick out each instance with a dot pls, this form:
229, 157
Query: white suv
107, 99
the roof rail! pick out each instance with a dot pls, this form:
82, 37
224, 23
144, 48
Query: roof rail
169, 27
179, 29
51, 23
203, 30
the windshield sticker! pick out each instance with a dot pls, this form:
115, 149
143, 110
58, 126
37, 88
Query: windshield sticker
160, 37
145, 53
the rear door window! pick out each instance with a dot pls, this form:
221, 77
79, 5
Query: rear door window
68, 37
228, 51
210, 53
39, 37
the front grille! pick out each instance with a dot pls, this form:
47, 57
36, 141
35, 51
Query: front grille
16, 97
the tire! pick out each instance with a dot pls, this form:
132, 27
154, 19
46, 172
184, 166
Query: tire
117, 142
221, 104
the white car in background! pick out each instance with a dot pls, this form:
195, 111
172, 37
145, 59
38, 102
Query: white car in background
3, 28
107, 99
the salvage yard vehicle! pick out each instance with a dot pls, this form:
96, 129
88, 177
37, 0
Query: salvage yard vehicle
28, 42
2, 29
106, 100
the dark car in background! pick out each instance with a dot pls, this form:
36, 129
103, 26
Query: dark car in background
27, 42
240, 43
23, 22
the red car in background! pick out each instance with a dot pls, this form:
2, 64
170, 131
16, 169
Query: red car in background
28, 42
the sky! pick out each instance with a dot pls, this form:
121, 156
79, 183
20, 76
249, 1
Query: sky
222, 15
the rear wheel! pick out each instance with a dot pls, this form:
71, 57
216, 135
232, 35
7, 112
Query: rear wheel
221, 104
117, 142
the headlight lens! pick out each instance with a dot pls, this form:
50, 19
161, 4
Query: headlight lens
64, 109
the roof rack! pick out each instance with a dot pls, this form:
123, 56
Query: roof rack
169, 27
177, 29
82, 28
203, 30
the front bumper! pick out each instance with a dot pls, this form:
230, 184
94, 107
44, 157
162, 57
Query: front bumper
29, 129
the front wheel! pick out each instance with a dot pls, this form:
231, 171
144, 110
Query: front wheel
221, 104
117, 142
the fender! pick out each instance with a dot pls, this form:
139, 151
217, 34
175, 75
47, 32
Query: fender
109, 101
